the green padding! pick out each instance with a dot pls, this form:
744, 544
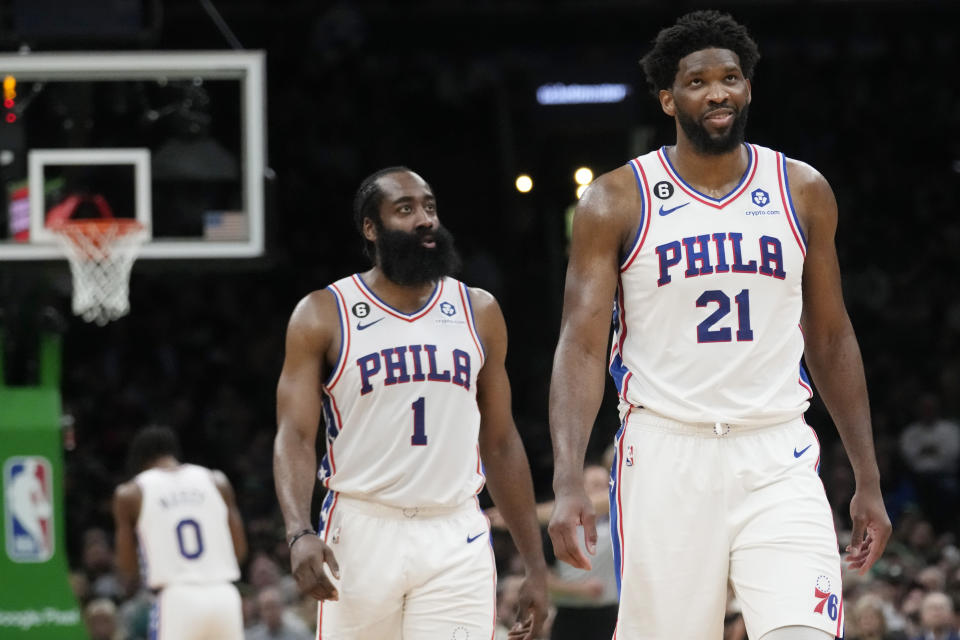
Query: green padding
36, 601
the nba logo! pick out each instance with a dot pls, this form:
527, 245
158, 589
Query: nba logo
628, 460
28, 508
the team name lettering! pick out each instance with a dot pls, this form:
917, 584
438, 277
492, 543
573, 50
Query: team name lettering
414, 363
184, 497
706, 254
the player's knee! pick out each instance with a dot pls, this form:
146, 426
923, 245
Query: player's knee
797, 633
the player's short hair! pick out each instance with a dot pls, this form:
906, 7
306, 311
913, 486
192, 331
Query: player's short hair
367, 201
695, 31
151, 443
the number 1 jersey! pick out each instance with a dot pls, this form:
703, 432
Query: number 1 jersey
400, 406
707, 313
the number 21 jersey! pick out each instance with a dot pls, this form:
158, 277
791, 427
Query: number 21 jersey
707, 315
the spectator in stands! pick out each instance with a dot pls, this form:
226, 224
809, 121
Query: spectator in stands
276, 623
868, 621
100, 615
930, 446
937, 620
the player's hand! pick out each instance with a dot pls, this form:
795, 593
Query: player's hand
871, 528
532, 605
307, 557
571, 510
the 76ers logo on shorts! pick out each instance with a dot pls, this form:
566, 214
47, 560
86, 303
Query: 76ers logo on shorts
828, 603
28, 508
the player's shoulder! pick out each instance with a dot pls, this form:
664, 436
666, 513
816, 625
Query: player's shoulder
314, 310
610, 191
218, 477
803, 176
811, 195
222, 484
609, 206
127, 495
486, 309
480, 297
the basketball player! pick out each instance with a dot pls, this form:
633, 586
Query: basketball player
190, 536
720, 258
406, 367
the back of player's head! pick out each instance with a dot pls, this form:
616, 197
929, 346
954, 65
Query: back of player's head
367, 201
150, 444
697, 30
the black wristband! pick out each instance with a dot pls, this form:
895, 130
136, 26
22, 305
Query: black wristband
298, 535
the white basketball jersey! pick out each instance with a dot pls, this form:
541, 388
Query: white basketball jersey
400, 406
183, 531
707, 315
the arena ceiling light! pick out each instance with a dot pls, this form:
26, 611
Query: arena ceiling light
524, 183
559, 93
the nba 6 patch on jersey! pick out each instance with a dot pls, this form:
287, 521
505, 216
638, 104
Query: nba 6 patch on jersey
28, 508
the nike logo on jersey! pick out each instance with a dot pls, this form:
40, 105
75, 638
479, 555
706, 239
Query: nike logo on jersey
797, 454
361, 327
666, 212
472, 538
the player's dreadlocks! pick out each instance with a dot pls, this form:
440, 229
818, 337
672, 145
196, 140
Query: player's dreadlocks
692, 32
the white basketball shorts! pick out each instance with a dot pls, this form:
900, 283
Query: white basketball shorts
197, 612
697, 505
416, 574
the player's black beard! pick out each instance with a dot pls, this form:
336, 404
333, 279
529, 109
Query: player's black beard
407, 262
700, 137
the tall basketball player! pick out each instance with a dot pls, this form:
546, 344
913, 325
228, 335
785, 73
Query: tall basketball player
405, 365
185, 521
720, 258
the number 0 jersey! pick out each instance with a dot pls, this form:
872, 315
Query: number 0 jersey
707, 315
400, 406
183, 530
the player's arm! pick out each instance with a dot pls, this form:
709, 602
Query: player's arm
833, 357
234, 519
126, 510
601, 506
600, 227
309, 337
506, 466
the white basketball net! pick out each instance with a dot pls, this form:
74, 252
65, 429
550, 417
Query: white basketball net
101, 253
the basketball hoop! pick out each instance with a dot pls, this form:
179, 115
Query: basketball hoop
101, 252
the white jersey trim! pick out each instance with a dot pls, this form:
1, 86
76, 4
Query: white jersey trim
792, 219
641, 235
716, 203
344, 337
472, 322
396, 313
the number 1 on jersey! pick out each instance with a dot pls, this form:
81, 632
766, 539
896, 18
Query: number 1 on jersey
419, 437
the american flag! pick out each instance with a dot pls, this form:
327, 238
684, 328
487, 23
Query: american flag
225, 225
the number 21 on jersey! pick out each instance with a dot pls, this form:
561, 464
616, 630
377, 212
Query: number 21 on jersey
705, 330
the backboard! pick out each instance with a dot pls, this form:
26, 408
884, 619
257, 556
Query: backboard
175, 140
